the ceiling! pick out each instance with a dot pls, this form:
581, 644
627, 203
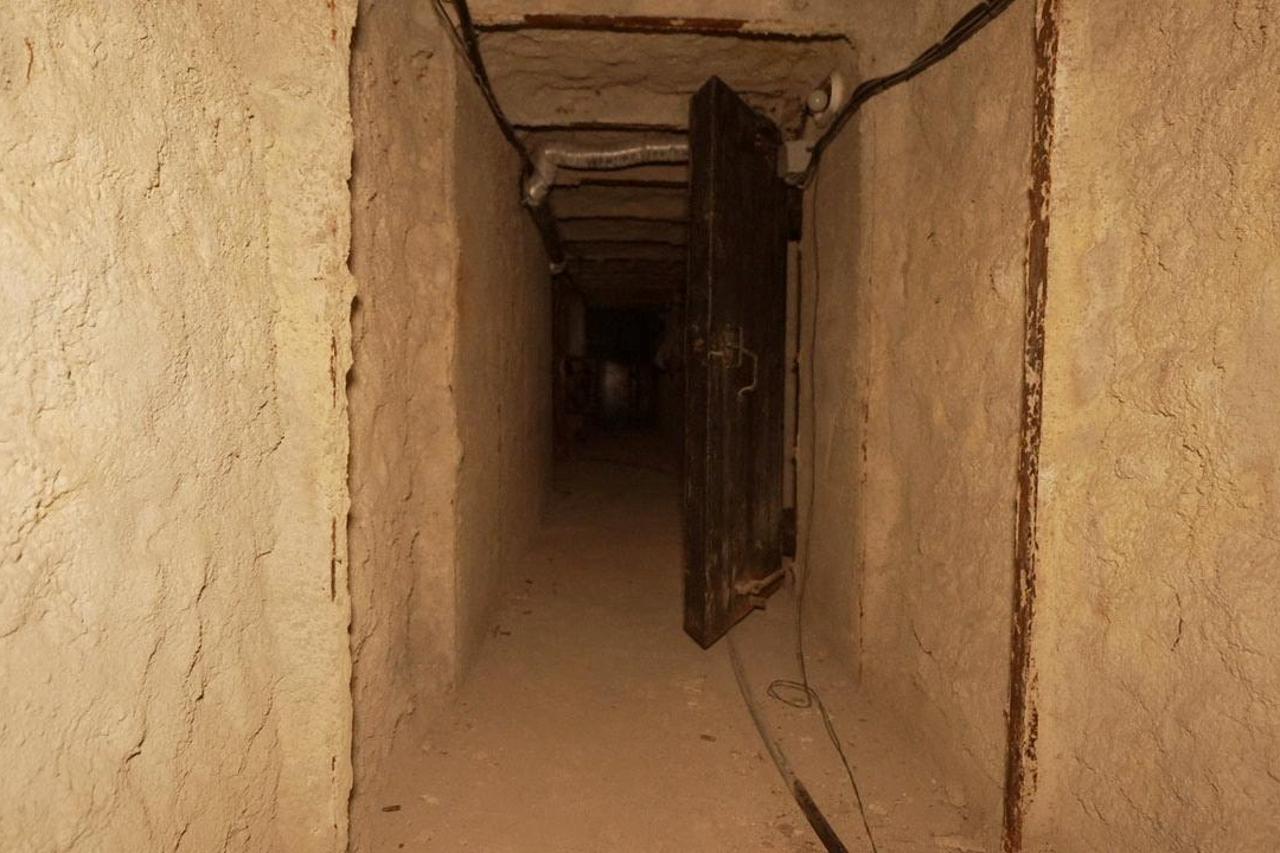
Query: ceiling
599, 81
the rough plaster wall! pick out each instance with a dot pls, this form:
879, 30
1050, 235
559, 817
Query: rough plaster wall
1157, 644
550, 77
502, 370
173, 604
404, 446
921, 225
833, 322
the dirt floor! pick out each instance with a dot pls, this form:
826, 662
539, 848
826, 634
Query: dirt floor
590, 722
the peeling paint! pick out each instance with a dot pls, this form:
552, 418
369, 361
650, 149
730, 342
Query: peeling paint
1020, 755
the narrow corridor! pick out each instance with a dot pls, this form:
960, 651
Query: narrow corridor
590, 722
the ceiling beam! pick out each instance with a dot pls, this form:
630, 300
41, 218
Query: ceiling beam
601, 127
622, 23
740, 28
647, 200
605, 181
619, 272
632, 250
663, 174
605, 217
634, 230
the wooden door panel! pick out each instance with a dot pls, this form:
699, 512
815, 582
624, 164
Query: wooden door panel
735, 331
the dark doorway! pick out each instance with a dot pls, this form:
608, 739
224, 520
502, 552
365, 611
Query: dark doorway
624, 343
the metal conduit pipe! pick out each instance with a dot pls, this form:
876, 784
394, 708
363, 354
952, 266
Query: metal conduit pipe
548, 159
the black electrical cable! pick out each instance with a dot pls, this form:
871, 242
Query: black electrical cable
800, 693
463, 34
963, 30
821, 826
464, 38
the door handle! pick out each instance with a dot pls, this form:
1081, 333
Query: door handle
732, 353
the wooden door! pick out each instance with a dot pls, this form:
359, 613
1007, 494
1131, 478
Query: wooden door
735, 335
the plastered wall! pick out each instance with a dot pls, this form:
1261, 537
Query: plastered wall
405, 449
919, 213
502, 370
450, 388
1155, 641
173, 315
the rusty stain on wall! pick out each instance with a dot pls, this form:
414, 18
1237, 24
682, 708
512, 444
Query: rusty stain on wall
1020, 756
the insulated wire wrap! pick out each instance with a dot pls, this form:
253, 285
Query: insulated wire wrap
546, 160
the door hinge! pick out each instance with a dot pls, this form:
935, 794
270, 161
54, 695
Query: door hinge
787, 531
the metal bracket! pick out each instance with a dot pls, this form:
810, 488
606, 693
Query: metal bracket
753, 588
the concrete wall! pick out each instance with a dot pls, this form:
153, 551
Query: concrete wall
173, 315
503, 370
920, 215
450, 390
1155, 638
404, 443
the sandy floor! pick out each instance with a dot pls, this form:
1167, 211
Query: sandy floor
590, 722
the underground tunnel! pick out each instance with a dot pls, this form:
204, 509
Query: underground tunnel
595, 426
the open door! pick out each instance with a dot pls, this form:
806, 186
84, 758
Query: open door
735, 334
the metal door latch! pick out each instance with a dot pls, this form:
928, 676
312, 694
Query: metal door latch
753, 589
733, 353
